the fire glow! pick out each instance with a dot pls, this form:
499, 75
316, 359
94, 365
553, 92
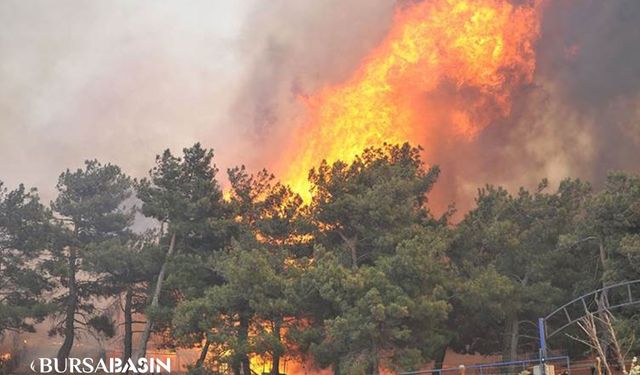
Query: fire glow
480, 50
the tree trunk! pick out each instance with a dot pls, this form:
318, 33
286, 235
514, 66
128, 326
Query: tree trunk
375, 361
440, 356
603, 302
336, 368
512, 334
128, 324
354, 257
589, 326
352, 245
70, 314
203, 354
146, 333
615, 344
246, 365
512, 331
243, 335
603, 257
515, 336
275, 366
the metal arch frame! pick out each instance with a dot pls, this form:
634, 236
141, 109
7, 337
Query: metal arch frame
542, 325
542, 322
623, 286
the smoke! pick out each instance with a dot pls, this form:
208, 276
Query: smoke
588, 54
580, 117
119, 81
294, 49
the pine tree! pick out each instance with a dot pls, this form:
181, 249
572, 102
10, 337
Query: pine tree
513, 266
25, 235
91, 207
183, 195
372, 221
124, 267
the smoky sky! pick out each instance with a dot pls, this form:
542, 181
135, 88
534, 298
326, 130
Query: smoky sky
118, 81
122, 80
579, 118
599, 75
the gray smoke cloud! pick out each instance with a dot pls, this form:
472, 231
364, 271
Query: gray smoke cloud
589, 52
119, 81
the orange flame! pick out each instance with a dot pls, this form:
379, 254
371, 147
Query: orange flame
477, 51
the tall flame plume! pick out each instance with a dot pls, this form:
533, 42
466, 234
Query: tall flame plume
446, 70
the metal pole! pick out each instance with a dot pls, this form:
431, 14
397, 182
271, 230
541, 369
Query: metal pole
543, 339
543, 346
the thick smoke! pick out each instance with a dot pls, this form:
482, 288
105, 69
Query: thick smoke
294, 49
121, 81
118, 81
579, 118
589, 54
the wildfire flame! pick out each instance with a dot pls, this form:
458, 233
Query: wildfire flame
477, 51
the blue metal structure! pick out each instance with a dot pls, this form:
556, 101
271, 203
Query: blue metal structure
629, 289
616, 295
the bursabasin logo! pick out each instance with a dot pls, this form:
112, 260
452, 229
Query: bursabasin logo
91, 366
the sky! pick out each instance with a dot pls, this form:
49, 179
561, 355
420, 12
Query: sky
121, 81
118, 81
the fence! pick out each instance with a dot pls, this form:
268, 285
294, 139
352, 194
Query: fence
561, 365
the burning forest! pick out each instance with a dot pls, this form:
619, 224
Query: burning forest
484, 50
398, 187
